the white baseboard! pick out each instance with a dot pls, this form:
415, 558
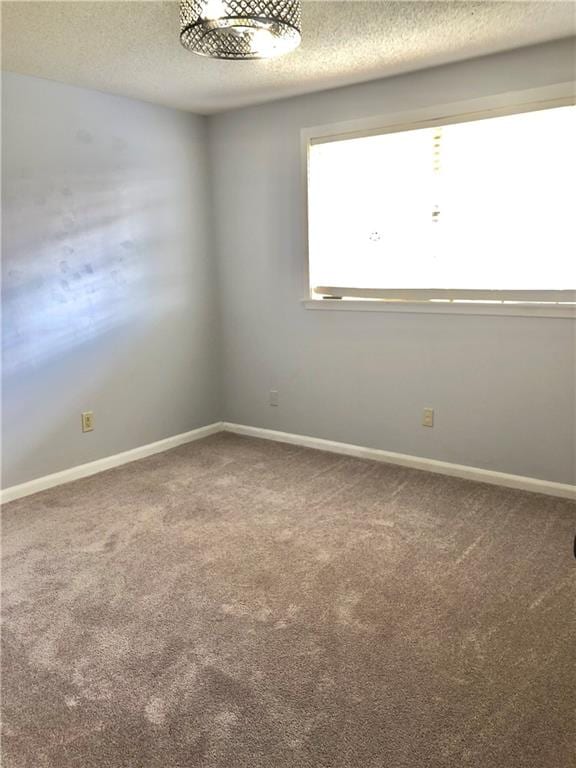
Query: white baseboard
547, 487
93, 467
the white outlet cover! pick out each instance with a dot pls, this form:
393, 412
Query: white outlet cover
428, 417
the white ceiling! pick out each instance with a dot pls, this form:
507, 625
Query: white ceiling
132, 48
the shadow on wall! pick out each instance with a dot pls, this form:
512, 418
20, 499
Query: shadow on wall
72, 272
83, 280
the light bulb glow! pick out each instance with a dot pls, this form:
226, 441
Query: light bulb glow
214, 10
240, 29
265, 44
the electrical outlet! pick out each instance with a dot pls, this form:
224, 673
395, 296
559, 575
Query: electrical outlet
87, 421
428, 417
274, 397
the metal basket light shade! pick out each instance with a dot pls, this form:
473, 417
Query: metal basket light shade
240, 29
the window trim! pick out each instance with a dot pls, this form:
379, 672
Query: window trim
432, 308
514, 303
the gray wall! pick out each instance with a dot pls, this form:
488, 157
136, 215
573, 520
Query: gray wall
108, 282
502, 387
114, 225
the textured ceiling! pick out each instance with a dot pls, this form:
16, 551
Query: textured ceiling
132, 48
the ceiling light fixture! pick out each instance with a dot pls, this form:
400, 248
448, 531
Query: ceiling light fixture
240, 29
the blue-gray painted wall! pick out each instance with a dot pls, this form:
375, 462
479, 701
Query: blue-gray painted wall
108, 276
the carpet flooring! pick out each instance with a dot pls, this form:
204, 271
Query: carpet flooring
236, 603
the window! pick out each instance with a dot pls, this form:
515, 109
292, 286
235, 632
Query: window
466, 210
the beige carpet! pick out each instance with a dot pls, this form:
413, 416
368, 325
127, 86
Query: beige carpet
236, 603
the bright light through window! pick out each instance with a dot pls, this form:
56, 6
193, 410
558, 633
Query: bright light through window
486, 205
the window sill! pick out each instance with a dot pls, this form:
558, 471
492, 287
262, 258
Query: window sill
459, 308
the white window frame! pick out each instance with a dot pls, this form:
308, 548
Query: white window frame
514, 303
